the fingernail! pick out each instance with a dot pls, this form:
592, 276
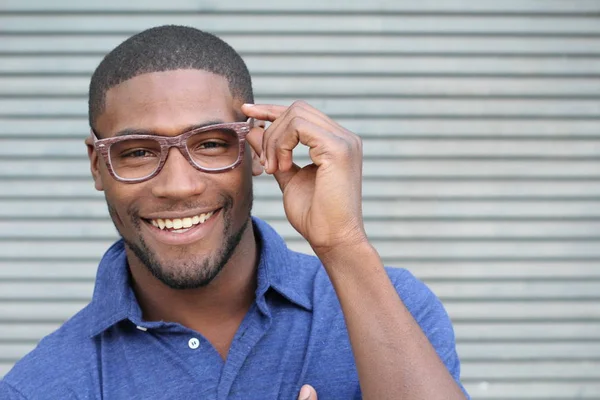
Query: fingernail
304, 393
267, 166
249, 104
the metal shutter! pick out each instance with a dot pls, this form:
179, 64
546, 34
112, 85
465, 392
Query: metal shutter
481, 127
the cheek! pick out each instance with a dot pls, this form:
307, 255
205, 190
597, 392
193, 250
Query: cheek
241, 189
245, 179
122, 200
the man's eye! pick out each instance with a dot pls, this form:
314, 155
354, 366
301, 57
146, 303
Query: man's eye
138, 153
211, 145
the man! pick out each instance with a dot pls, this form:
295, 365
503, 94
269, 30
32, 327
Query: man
200, 300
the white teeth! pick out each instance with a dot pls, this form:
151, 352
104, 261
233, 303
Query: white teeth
180, 225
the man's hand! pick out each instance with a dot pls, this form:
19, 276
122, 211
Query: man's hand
307, 393
322, 200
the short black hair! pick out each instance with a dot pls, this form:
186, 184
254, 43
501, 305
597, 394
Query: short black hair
167, 48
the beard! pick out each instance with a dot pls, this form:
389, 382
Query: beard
187, 272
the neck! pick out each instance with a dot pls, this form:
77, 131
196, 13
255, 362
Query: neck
223, 301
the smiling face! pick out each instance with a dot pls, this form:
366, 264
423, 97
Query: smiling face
183, 225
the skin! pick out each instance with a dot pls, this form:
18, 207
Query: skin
322, 201
165, 104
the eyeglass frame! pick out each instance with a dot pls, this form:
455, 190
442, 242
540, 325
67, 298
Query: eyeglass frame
102, 146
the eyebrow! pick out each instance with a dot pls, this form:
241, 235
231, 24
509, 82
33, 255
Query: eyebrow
133, 131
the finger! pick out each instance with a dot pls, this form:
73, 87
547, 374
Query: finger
270, 112
280, 145
264, 112
316, 116
276, 156
273, 131
276, 114
307, 392
255, 139
282, 137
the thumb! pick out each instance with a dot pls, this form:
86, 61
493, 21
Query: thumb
307, 393
283, 177
255, 138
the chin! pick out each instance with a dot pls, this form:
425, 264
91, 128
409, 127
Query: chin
181, 277
184, 268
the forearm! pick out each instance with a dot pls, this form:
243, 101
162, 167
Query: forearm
394, 358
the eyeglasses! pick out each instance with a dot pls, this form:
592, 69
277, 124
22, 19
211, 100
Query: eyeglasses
137, 158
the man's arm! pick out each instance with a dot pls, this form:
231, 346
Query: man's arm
388, 344
323, 202
394, 358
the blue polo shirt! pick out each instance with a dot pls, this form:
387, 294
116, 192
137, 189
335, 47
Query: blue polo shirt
293, 334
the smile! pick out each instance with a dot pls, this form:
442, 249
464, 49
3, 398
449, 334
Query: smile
181, 225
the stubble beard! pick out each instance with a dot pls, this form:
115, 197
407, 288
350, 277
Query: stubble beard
189, 273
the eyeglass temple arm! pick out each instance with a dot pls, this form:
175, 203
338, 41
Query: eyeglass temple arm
94, 135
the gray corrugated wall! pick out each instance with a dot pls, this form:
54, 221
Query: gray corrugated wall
481, 127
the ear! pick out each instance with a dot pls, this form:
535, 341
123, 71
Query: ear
254, 138
94, 164
257, 167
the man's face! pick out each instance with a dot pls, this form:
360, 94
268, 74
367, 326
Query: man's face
169, 103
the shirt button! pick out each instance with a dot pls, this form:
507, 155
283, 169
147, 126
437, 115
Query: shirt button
194, 343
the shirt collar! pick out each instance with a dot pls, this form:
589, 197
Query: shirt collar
279, 269
113, 297
114, 300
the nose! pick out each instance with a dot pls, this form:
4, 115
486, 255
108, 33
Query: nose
178, 179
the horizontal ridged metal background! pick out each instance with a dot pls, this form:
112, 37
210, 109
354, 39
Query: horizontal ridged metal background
481, 128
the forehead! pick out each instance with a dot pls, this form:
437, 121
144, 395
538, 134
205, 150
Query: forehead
167, 101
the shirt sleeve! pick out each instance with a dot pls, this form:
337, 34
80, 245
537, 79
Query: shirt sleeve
8, 392
429, 312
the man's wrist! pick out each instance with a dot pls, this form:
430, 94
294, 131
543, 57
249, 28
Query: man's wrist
346, 257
